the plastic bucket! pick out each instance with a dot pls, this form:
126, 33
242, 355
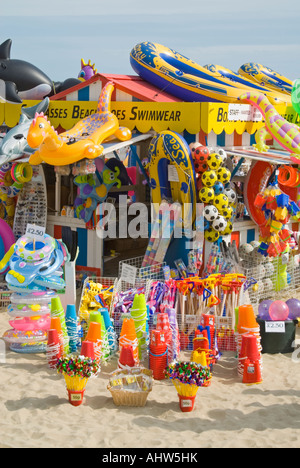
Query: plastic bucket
76, 397
186, 403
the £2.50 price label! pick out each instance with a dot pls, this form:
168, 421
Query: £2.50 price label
38, 232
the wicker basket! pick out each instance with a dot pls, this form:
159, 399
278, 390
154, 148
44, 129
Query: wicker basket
128, 398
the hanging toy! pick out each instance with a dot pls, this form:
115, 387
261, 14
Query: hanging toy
277, 208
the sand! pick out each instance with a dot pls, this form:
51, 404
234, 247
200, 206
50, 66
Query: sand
35, 412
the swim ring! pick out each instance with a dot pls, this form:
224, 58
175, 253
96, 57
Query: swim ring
23, 310
7, 235
31, 323
19, 336
181, 77
29, 348
23, 273
34, 297
27, 250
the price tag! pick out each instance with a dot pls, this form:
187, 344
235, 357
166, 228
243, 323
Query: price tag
76, 396
128, 273
186, 403
172, 174
191, 318
274, 327
38, 232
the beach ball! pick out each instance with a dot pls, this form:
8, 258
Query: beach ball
218, 188
294, 308
268, 285
210, 212
220, 202
219, 224
200, 157
245, 250
214, 161
222, 153
227, 212
209, 178
279, 310
206, 194
230, 194
228, 230
261, 271
223, 175
193, 146
263, 309
211, 235
255, 243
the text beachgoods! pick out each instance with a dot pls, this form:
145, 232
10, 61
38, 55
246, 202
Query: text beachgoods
136, 220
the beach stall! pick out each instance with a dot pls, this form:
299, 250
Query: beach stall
146, 111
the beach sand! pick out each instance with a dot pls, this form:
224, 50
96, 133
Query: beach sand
35, 412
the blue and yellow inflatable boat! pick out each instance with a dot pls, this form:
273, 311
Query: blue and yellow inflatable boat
181, 77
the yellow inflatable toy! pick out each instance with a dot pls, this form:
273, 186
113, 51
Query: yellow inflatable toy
82, 141
182, 77
171, 172
264, 76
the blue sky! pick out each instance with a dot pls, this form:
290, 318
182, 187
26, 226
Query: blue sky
54, 36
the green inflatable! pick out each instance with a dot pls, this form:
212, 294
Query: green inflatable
296, 96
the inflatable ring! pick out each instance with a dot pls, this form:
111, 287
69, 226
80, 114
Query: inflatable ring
18, 336
7, 235
31, 323
22, 173
289, 176
28, 348
26, 289
35, 297
22, 273
51, 282
23, 310
12, 171
26, 250
53, 265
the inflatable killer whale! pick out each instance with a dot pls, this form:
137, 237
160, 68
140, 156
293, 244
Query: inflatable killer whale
21, 80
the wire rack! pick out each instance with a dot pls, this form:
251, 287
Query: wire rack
32, 203
120, 300
5, 294
132, 273
276, 278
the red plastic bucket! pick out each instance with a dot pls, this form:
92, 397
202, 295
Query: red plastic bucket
186, 403
158, 359
76, 397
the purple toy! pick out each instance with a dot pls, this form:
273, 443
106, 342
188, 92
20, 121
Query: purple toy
294, 307
263, 309
87, 71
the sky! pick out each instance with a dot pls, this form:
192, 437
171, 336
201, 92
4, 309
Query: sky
54, 36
